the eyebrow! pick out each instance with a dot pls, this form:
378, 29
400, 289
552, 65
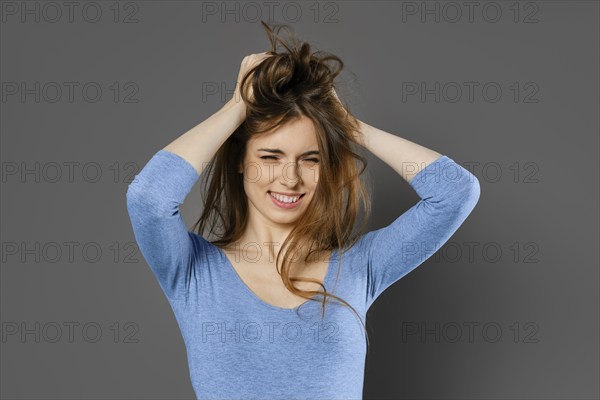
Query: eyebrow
278, 151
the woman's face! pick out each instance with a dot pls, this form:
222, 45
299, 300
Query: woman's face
278, 163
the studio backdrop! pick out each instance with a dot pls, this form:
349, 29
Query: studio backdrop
507, 308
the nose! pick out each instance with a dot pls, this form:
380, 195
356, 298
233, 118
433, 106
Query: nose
291, 175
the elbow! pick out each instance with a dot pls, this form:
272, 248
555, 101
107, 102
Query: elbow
147, 200
134, 194
469, 195
139, 200
473, 190
133, 200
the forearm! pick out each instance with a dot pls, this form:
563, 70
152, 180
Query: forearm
198, 145
405, 157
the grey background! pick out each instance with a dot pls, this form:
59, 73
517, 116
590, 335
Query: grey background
551, 204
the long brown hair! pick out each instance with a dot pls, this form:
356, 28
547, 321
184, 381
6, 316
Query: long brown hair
290, 84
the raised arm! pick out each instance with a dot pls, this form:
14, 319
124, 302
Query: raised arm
405, 157
153, 200
448, 194
155, 194
198, 145
157, 191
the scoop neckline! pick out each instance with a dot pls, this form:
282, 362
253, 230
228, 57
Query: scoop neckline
257, 299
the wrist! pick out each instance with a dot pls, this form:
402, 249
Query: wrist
237, 107
363, 133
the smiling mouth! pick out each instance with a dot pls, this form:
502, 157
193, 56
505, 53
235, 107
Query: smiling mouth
283, 203
284, 198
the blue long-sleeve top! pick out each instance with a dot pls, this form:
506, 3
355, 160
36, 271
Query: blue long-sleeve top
240, 347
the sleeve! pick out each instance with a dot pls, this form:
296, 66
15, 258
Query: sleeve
153, 200
448, 194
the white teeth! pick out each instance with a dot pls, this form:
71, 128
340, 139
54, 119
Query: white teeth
285, 199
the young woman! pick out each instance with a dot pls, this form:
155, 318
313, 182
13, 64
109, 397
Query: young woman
269, 309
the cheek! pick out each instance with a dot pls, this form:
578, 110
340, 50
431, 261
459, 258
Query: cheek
311, 176
257, 177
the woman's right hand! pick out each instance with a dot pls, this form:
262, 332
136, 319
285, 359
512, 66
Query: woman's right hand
249, 62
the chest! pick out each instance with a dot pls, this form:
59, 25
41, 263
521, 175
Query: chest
264, 282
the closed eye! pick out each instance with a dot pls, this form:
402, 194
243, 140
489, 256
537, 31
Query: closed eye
315, 160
